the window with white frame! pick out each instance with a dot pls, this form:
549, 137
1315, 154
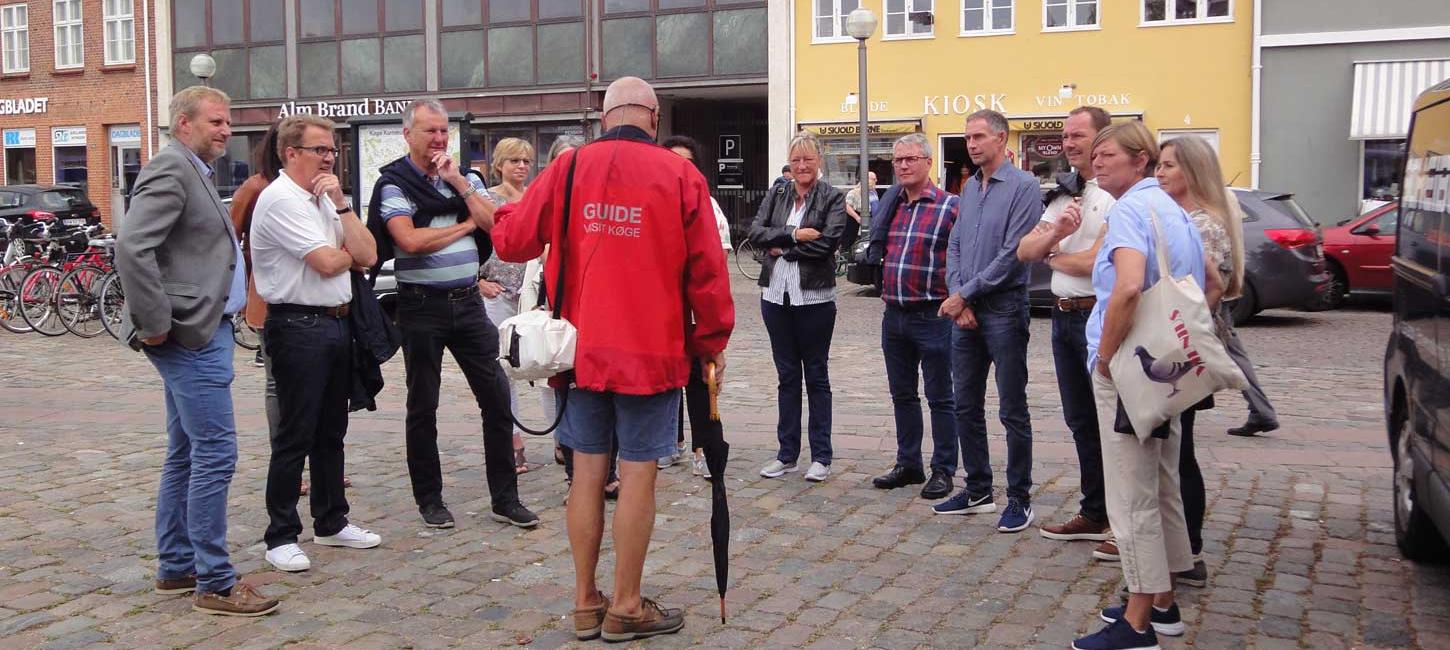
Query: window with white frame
1209, 135
69, 45
120, 32
15, 38
986, 17
1170, 12
831, 19
1069, 14
908, 18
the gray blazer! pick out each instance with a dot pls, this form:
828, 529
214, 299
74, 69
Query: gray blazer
175, 253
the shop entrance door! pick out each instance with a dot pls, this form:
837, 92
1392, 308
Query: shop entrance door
125, 165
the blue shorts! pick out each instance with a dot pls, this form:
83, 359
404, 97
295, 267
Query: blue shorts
646, 424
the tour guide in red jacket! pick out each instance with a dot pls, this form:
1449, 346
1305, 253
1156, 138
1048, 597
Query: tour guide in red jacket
641, 255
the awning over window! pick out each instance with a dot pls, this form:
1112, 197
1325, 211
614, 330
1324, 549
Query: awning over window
1384, 93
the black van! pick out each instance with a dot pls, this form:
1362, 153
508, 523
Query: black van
1417, 361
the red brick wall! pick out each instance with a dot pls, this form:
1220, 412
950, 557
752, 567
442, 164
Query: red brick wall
95, 96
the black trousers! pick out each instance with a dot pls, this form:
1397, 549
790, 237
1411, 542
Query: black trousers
312, 364
1190, 483
432, 321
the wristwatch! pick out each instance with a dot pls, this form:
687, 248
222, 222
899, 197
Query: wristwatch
344, 210
468, 192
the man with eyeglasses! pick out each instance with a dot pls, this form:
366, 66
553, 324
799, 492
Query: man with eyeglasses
909, 231
305, 239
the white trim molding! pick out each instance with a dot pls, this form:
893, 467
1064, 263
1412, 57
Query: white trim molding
1430, 32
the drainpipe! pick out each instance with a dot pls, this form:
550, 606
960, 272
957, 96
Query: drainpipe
1255, 129
146, 70
791, 128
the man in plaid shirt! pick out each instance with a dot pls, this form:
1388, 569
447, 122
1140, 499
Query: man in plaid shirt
915, 219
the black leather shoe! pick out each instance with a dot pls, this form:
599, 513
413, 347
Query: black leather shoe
898, 477
1253, 428
938, 487
515, 513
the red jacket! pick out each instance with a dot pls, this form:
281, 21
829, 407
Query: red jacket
642, 254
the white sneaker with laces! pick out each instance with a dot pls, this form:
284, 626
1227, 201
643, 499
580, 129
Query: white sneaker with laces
288, 557
351, 537
699, 467
818, 472
674, 457
777, 469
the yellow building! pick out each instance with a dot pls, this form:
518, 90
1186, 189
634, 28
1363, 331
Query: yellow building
1182, 66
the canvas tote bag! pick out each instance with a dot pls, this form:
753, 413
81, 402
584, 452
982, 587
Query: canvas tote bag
1171, 359
539, 343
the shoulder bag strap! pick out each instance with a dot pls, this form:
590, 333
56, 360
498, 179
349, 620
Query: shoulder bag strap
1165, 272
558, 295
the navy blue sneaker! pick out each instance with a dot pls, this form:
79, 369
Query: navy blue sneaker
1118, 636
1167, 623
962, 503
1017, 516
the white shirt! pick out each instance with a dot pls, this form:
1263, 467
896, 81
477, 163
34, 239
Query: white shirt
287, 224
785, 276
1095, 205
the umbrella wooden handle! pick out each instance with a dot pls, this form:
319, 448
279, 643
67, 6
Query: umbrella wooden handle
714, 386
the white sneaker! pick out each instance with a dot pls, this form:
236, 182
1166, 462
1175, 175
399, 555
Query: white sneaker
699, 467
818, 472
352, 537
288, 557
776, 469
674, 457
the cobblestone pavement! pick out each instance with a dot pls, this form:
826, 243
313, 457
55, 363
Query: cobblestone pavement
1299, 538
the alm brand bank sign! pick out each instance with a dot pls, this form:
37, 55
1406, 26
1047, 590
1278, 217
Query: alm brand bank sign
345, 109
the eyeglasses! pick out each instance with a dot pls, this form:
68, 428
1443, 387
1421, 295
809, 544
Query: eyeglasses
516, 161
321, 151
902, 161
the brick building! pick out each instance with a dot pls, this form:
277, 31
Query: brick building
74, 99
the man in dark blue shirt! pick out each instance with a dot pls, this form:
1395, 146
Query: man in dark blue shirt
999, 205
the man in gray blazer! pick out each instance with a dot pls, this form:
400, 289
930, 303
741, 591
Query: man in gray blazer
182, 272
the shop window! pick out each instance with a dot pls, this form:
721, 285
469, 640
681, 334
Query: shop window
1041, 154
736, 51
376, 53
987, 17
120, 19
909, 18
1383, 160
1178, 12
15, 33
19, 156
510, 43
830, 19
244, 36
677, 41
70, 165
1066, 15
841, 159
69, 42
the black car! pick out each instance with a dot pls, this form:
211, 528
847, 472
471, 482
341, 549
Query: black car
1417, 359
64, 205
1283, 258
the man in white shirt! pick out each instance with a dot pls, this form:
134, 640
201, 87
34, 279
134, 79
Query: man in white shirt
1068, 239
305, 238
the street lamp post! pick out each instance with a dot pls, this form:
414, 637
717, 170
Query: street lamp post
861, 24
203, 67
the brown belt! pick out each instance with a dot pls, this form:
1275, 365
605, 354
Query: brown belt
339, 312
1076, 304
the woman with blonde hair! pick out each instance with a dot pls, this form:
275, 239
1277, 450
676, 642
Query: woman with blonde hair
1190, 173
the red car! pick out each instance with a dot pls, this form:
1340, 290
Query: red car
1358, 253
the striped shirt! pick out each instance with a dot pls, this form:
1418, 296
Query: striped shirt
785, 277
451, 267
915, 268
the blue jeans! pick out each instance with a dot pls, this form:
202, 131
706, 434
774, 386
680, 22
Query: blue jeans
1079, 410
640, 427
201, 454
800, 342
1001, 339
912, 339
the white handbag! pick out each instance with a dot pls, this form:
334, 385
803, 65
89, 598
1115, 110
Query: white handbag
1171, 359
539, 343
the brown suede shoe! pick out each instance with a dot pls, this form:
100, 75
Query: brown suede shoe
244, 601
1107, 551
1079, 528
174, 586
588, 621
652, 620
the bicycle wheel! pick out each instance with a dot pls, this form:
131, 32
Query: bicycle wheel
78, 301
10, 318
245, 335
748, 260
113, 302
37, 300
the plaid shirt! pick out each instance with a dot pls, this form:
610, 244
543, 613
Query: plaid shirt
915, 268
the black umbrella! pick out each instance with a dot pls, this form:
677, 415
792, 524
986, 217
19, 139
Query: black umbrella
709, 435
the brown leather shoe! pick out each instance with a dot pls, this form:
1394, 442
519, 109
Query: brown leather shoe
174, 586
1079, 528
1107, 551
652, 620
588, 621
244, 601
